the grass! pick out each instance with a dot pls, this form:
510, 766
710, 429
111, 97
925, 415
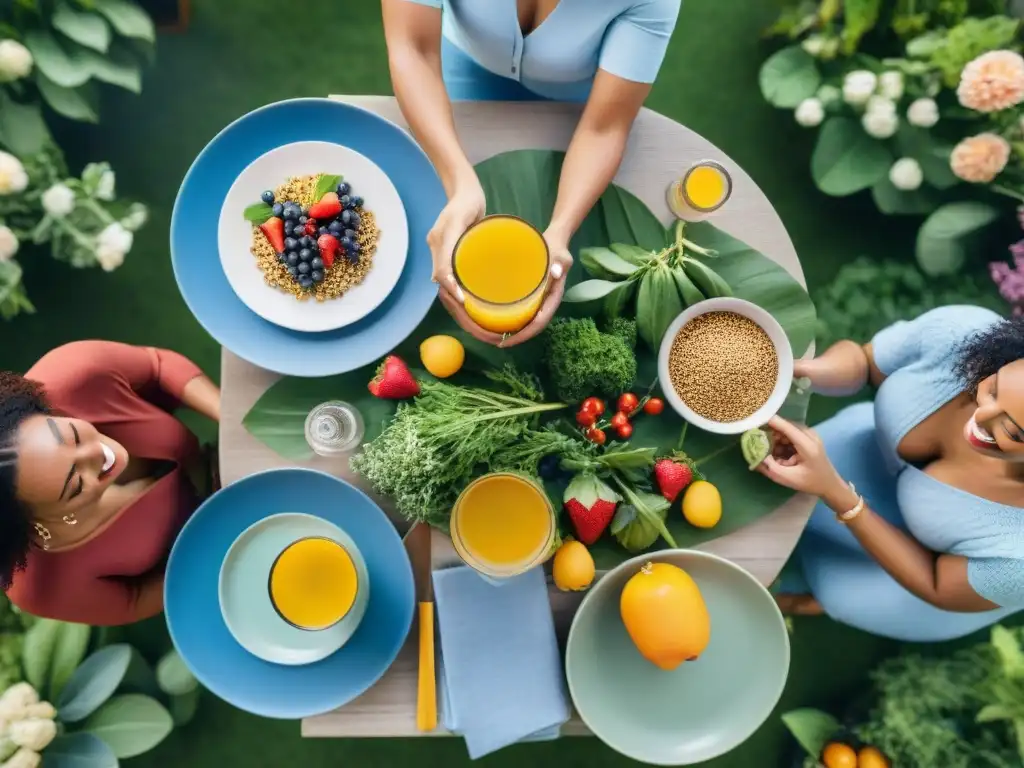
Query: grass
234, 59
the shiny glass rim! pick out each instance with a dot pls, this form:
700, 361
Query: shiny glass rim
706, 164
270, 582
533, 291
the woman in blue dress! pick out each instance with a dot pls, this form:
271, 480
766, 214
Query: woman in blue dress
919, 535
604, 53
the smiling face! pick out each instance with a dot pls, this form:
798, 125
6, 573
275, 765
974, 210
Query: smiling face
64, 465
997, 425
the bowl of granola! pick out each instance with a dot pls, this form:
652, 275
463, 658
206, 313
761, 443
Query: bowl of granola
312, 236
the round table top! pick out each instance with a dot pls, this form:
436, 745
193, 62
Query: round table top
658, 152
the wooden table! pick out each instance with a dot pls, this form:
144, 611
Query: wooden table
659, 151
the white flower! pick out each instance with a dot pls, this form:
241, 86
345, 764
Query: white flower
15, 61
35, 733
12, 174
810, 113
880, 125
906, 174
8, 247
858, 86
890, 85
880, 104
136, 217
115, 237
814, 45
58, 201
924, 113
24, 758
105, 186
109, 258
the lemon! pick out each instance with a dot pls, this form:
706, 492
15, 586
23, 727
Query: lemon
871, 757
442, 356
573, 567
839, 755
702, 504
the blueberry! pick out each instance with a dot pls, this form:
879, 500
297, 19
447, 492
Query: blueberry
352, 256
304, 210
283, 258
356, 248
549, 467
293, 259
290, 243
350, 234
345, 201
346, 243
268, 197
354, 220
336, 228
290, 213
303, 219
303, 268
307, 241
293, 271
343, 188
357, 202
317, 275
277, 209
346, 217
305, 254
323, 231
317, 263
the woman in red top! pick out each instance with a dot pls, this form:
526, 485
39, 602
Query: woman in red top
95, 478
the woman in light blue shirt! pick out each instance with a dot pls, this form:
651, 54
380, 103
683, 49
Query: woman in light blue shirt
927, 544
605, 53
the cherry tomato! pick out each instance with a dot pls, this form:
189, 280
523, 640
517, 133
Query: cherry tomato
628, 403
586, 418
619, 419
594, 405
597, 435
624, 431
654, 406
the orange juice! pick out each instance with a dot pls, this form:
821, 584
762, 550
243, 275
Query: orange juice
313, 583
503, 524
704, 188
501, 263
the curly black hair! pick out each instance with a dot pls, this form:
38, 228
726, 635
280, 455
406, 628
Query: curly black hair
19, 399
985, 352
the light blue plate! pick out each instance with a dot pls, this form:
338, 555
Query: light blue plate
244, 591
196, 261
202, 637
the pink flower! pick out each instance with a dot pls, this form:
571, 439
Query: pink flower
979, 159
1010, 278
993, 81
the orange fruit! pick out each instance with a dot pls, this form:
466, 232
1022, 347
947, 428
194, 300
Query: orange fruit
838, 755
573, 567
871, 757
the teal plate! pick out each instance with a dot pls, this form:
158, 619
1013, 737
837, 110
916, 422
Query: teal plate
244, 592
700, 710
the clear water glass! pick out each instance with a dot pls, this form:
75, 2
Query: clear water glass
333, 428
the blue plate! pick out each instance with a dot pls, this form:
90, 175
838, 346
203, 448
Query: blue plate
212, 653
196, 262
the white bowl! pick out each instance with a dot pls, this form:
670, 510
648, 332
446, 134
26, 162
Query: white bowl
234, 236
782, 349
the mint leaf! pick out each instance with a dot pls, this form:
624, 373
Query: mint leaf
258, 213
326, 183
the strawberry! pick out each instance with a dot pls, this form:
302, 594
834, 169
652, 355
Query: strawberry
590, 504
310, 228
393, 381
328, 245
273, 230
328, 207
673, 475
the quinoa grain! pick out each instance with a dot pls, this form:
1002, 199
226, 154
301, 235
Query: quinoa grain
723, 366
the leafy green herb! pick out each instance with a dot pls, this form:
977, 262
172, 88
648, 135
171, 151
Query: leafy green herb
433, 447
325, 183
582, 361
968, 40
641, 519
258, 213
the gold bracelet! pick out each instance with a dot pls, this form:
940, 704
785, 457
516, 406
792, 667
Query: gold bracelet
851, 514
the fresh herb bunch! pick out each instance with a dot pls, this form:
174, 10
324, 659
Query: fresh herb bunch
868, 295
434, 446
584, 361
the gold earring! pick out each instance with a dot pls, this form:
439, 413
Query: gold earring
70, 519
43, 533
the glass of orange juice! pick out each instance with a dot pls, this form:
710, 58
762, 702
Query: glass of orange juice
314, 583
503, 525
704, 188
502, 263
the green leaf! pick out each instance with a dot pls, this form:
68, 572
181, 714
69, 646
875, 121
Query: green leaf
94, 682
603, 262
83, 27
258, 213
131, 724
58, 66
812, 729
173, 676
634, 254
278, 418
119, 67
860, 17
933, 156
617, 302
591, 290
846, 159
22, 128
53, 650
627, 220
788, 77
79, 750
74, 103
895, 201
183, 707
127, 18
325, 183
1008, 648
994, 712
657, 304
945, 238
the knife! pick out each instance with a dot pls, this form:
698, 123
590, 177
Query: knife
426, 696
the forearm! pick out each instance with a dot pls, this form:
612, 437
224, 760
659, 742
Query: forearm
423, 99
202, 396
591, 161
841, 371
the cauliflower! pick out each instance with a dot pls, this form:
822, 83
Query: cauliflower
23, 758
35, 733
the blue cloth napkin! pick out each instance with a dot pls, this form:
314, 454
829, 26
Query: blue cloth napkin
501, 675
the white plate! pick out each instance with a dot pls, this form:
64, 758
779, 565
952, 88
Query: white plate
234, 236
244, 591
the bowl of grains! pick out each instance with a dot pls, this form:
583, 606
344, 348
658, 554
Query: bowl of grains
725, 365
312, 236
